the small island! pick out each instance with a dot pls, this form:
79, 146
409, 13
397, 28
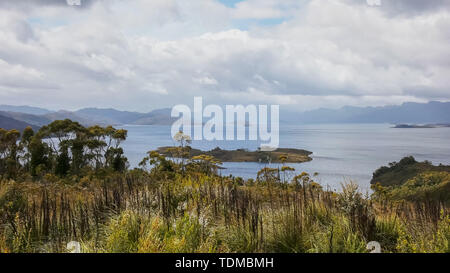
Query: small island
420, 126
243, 155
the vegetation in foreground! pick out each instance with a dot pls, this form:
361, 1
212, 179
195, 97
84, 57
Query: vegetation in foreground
79, 188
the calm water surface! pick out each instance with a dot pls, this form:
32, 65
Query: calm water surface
341, 152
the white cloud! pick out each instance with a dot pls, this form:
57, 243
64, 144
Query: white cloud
140, 54
16, 76
267, 9
206, 81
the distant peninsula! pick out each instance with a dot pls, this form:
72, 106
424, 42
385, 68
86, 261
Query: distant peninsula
243, 155
424, 126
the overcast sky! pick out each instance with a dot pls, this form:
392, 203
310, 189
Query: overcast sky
147, 54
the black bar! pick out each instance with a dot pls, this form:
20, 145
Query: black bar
223, 262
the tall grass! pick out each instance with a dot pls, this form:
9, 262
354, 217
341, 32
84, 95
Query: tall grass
203, 213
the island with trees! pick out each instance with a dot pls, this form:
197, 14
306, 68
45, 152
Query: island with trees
421, 126
242, 155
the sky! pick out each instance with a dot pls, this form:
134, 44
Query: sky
142, 55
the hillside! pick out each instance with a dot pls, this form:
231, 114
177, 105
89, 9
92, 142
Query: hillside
36, 120
111, 116
61, 115
407, 113
87, 116
411, 180
397, 173
24, 109
156, 117
418, 113
10, 123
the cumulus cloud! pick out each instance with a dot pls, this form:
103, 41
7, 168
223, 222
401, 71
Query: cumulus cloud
266, 9
408, 7
31, 4
141, 55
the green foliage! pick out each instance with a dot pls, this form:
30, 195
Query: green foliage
63, 163
123, 233
416, 241
162, 167
144, 212
131, 232
388, 233
426, 186
205, 164
397, 173
413, 181
339, 237
289, 235
9, 153
239, 240
12, 201
40, 153
63, 148
68, 182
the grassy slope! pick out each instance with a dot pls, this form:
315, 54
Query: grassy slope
399, 173
136, 213
411, 180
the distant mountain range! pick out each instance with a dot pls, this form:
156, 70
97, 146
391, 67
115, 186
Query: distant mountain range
417, 113
410, 112
24, 109
20, 117
10, 123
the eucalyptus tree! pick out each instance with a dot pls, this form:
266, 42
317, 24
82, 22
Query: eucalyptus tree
59, 135
104, 146
206, 164
25, 141
60, 132
9, 151
62, 147
183, 151
114, 155
160, 166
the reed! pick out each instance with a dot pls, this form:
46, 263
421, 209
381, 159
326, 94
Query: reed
136, 212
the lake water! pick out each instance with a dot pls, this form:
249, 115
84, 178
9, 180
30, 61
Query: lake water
341, 152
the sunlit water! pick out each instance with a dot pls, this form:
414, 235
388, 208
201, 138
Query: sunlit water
341, 152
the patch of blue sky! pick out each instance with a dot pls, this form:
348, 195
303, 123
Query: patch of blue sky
245, 24
35, 20
230, 3
39, 21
